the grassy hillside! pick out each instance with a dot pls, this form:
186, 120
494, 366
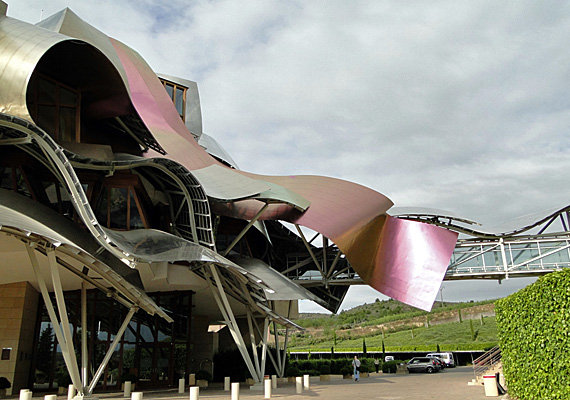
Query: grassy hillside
455, 326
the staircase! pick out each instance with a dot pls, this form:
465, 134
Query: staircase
488, 364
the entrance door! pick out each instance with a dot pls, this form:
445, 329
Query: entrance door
155, 365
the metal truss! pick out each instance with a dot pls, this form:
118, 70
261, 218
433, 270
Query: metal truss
509, 257
59, 316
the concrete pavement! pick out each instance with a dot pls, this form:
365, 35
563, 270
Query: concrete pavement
448, 384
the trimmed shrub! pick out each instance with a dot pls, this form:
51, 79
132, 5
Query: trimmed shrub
390, 367
4, 383
203, 375
293, 371
346, 370
534, 336
325, 369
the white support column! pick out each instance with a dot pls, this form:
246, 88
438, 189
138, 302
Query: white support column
73, 370
284, 358
224, 306
112, 348
308, 247
244, 230
62, 310
84, 350
264, 351
253, 346
504, 257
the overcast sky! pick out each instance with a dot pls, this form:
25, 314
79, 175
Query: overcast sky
462, 106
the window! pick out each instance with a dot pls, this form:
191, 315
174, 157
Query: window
55, 107
121, 203
178, 95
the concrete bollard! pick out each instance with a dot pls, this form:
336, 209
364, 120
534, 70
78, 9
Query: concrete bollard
136, 396
23, 392
273, 381
227, 383
71, 392
306, 384
181, 384
194, 393
299, 384
50, 397
127, 389
192, 379
267, 387
235, 390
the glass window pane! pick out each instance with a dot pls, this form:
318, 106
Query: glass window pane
180, 101
46, 91
66, 127
6, 177
101, 209
118, 207
136, 221
169, 90
67, 97
46, 119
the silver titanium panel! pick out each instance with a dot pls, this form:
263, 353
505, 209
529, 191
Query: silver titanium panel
68, 23
23, 45
284, 289
213, 147
19, 221
227, 185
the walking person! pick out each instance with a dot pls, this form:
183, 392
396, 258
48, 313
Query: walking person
377, 364
356, 368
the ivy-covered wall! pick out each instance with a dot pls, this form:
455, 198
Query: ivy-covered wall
534, 335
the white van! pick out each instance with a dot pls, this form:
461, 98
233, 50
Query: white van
447, 358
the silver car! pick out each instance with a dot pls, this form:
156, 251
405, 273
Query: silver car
423, 364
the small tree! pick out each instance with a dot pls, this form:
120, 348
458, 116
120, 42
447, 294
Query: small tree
45, 348
364, 347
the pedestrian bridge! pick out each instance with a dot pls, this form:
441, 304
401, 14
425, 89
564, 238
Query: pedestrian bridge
528, 246
525, 247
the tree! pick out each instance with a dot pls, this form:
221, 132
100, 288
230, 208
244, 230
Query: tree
383, 351
364, 346
45, 348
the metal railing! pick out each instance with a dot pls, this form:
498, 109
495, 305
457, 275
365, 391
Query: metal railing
487, 361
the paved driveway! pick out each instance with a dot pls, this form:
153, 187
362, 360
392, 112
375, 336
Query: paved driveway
448, 384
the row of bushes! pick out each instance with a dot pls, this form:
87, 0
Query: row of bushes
473, 346
336, 367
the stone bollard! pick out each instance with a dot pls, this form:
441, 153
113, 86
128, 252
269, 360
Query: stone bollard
50, 397
273, 381
299, 384
127, 389
227, 384
25, 394
194, 393
71, 392
192, 379
235, 390
306, 384
267, 386
181, 384
137, 396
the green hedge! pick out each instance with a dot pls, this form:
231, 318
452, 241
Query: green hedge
534, 335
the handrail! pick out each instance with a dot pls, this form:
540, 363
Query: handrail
487, 361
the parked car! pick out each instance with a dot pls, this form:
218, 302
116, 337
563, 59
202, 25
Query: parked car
446, 357
423, 364
388, 358
440, 362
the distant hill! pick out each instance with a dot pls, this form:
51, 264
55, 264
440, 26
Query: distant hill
395, 324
